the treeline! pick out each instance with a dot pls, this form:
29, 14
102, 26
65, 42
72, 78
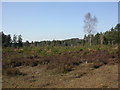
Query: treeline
110, 37
7, 41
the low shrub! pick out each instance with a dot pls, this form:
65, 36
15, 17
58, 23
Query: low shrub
81, 49
16, 63
75, 63
34, 64
97, 65
65, 68
12, 72
113, 56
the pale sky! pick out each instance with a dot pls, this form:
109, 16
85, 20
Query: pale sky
38, 21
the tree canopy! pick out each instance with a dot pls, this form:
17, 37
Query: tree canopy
110, 37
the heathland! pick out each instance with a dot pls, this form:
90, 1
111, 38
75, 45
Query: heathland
69, 63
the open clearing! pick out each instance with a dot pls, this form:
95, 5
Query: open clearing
78, 69
81, 77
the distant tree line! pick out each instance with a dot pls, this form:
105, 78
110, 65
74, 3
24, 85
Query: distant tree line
110, 37
7, 41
